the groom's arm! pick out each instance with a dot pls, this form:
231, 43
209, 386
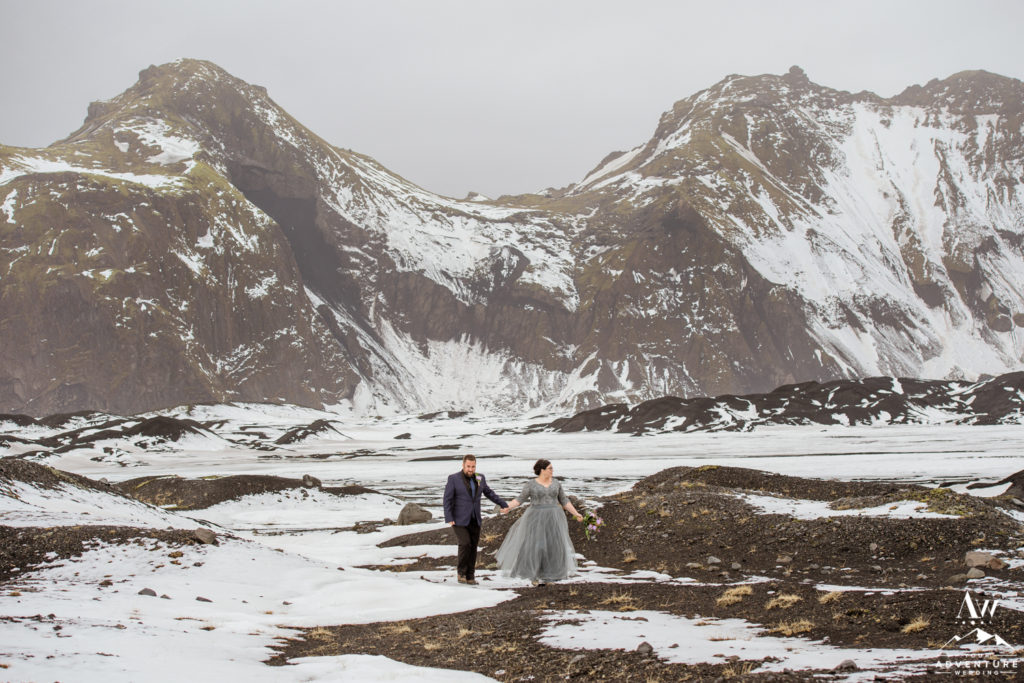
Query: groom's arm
449, 501
498, 500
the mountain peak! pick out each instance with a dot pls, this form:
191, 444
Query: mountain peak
183, 86
796, 77
975, 91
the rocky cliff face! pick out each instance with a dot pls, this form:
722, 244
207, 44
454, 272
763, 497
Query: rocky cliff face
134, 274
885, 235
193, 242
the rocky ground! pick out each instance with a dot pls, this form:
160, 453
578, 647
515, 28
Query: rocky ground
22, 548
705, 543
851, 581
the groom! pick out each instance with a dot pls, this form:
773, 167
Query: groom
462, 513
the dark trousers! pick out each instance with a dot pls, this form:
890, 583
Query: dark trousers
468, 537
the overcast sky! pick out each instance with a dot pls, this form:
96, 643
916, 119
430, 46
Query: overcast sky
496, 97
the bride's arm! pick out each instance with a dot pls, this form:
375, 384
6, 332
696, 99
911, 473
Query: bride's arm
567, 504
514, 503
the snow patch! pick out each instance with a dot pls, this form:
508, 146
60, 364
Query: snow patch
706, 640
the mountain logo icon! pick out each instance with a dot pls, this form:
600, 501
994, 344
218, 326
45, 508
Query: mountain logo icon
981, 637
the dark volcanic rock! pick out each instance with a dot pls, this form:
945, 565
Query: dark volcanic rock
444, 414
304, 432
150, 430
592, 420
19, 420
1016, 481
205, 536
839, 402
196, 494
413, 514
169, 428
58, 420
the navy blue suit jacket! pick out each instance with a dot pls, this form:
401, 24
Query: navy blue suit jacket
459, 506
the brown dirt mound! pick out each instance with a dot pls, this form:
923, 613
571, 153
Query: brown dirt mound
197, 494
17, 469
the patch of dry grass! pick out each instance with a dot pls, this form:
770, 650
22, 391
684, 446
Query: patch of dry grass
831, 596
792, 628
403, 567
503, 646
738, 669
624, 601
318, 633
784, 601
396, 629
733, 595
919, 623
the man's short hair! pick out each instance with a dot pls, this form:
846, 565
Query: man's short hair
468, 456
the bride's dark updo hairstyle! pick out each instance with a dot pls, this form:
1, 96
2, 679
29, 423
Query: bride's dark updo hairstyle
540, 466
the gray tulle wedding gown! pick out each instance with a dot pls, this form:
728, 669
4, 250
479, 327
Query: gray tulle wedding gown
537, 546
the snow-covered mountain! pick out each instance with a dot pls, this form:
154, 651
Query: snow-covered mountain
878, 236
193, 242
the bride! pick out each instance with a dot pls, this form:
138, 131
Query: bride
537, 547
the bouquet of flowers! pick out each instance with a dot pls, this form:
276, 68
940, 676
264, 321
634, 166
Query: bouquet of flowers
591, 524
